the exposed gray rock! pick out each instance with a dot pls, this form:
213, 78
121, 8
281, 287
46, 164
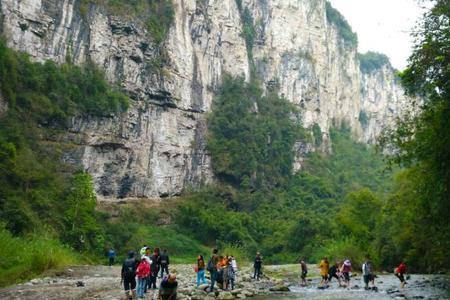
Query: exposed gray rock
157, 148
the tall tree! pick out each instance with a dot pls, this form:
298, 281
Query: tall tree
421, 140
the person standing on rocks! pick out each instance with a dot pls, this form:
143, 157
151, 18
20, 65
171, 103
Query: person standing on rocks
304, 272
333, 272
164, 260
345, 270
257, 265
148, 254
128, 275
324, 266
367, 271
212, 268
142, 273
224, 270
154, 268
201, 271
400, 273
234, 266
111, 256
231, 275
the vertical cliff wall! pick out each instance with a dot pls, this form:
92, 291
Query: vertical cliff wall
157, 148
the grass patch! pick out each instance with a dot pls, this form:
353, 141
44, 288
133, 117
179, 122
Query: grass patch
22, 259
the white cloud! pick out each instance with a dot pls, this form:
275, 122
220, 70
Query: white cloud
383, 25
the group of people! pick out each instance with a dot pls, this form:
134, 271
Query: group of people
145, 268
341, 272
140, 272
222, 270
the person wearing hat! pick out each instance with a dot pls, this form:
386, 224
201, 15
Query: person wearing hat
345, 270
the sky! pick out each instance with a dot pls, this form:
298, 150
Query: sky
382, 25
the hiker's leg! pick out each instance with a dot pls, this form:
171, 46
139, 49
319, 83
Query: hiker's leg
213, 280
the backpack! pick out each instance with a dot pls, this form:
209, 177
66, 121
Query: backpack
210, 265
129, 267
366, 269
163, 259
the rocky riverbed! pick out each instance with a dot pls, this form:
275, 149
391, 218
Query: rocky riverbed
101, 282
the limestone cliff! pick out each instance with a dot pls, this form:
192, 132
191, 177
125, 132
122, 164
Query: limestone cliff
157, 148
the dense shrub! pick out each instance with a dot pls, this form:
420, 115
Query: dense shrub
372, 61
136, 226
317, 134
37, 190
251, 135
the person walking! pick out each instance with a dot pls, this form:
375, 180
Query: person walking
154, 268
304, 270
400, 273
164, 261
128, 274
111, 256
231, 277
367, 271
224, 271
142, 272
345, 270
257, 265
201, 271
212, 268
147, 253
235, 267
333, 272
324, 266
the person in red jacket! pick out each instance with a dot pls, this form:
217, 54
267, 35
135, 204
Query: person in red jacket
142, 272
400, 273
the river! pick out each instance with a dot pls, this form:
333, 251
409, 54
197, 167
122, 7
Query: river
429, 287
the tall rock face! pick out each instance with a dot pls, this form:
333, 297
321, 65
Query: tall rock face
157, 148
382, 100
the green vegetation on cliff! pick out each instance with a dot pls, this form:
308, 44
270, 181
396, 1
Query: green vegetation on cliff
372, 61
158, 15
334, 17
252, 136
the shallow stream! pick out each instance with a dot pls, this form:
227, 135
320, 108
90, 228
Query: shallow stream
429, 287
